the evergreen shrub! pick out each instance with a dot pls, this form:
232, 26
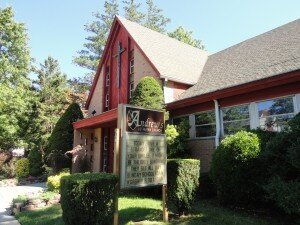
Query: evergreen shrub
35, 163
88, 198
22, 168
61, 139
183, 183
231, 168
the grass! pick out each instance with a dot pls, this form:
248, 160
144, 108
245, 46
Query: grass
148, 211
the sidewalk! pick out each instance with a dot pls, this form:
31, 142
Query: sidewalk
7, 194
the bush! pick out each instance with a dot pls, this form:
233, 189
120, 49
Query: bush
183, 182
53, 182
286, 195
148, 93
8, 169
177, 139
36, 163
231, 168
88, 198
207, 188
61, 139
22, 168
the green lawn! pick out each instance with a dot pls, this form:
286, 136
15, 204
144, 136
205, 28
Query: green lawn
146, 210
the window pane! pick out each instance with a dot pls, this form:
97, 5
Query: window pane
205, 118
235, 113
177, 121
275, 123
276, 107
206, 130
235, 126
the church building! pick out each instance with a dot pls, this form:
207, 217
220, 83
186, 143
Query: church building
254, 84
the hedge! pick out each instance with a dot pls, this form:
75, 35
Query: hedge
183, 182
53, 182
88, 198
22, 168
232, 168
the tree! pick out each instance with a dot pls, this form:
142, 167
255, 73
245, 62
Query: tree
132, 13
61, 139
14, 51
14, 82
89, 57
154, 18
186, 36
148, 93
52, 92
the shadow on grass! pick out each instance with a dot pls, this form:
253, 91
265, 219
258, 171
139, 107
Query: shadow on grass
138, 214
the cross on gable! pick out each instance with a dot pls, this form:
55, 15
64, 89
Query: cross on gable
118, 55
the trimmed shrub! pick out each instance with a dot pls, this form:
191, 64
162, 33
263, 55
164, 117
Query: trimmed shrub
61, 139
207, 188
36, 163
22, 168
231, 168
88, 198
148, 93
53, 182
183, 183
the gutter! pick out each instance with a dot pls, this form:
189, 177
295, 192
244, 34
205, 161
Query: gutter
218, 123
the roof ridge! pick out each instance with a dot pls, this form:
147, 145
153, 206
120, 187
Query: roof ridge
174, 39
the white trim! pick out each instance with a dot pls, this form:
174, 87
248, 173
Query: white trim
218, 126
253, 113
192, 130
297, 103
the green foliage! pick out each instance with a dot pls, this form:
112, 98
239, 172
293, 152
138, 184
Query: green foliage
285, 194
14, 51
186, 36
53, 182
183, 182
231, 163
177, 139
132, 13
148, 93
8, 169
88, 198
22, 168
207, 188
61, 139
36, 163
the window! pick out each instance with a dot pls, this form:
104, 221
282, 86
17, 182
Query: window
80, 136
131, 66
107, 100
205, 123
235, 118
105, 144
107, 80
178, 120
274, 114
131, 85
86, 141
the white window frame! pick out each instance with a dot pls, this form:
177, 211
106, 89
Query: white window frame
131, 89
107, 80
107, 100
131, 66
105, 143
195, 125
230, 121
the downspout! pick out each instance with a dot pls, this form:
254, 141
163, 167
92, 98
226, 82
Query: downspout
218, 125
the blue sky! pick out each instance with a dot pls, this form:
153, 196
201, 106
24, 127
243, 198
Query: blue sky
56, 27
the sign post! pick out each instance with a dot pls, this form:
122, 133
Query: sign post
143, 161
116, 171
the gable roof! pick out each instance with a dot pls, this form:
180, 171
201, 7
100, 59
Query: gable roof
272, 53
173, 59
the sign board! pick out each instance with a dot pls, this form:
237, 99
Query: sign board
143, 147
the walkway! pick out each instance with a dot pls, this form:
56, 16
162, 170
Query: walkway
7, 194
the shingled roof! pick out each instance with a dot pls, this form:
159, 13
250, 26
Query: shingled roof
173, 59
272, 53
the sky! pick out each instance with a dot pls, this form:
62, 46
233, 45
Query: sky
56, 27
